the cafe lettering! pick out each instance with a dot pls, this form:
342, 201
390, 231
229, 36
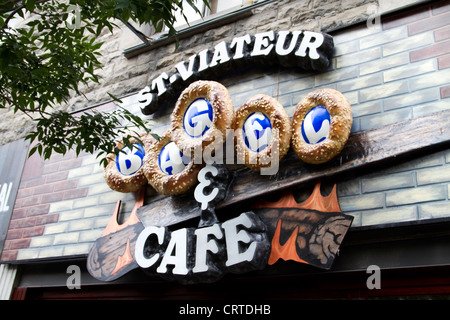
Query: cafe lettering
237, 245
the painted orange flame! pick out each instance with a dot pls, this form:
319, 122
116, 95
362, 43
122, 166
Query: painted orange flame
123, 260
316, 201
288, 251
113, 225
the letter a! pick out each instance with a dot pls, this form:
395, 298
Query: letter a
74, 280
374, 281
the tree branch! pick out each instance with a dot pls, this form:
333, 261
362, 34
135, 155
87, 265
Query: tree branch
15, 11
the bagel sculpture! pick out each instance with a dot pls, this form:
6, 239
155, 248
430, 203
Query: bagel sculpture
321, 126
167, 169
319, 129
124, 172
203, 112
265, 131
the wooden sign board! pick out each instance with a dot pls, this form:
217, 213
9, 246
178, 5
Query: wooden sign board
310, 232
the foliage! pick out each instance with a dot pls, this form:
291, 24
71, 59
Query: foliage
46, 59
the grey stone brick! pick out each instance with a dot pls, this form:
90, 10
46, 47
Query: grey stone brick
362, 202
28, 253
76, 249
432, 79
54, 251
430, 108
416, 195
348, 47
352, 97
431, 160
374, 217
85, 202
99, 211
358, 57
90, 235
89, 159
285, 101
60, 206
82, 171
91, 179
385, 118
387, 182
295, 85
360, 82
55, 228
413, 42
388, 36
384, 63
336, 75
413, 98
363, 109
71, 214
410, 70
67, 237
433, 175
98, 189
384, 91
102, 222
434, 210
356, 219
353, 33
42, 241
81, 224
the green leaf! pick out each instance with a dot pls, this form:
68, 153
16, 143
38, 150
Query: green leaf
114, 98
43, 63
32, 151
30, 5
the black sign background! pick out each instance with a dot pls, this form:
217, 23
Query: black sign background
12, 160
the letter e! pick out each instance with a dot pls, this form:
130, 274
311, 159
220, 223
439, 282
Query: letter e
233, 237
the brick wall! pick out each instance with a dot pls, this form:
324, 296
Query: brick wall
62, 206
414, 190
406, 75
394, 72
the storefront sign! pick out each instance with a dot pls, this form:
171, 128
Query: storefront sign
306, 50
189, 255
205, 254
310, 232
12, 160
